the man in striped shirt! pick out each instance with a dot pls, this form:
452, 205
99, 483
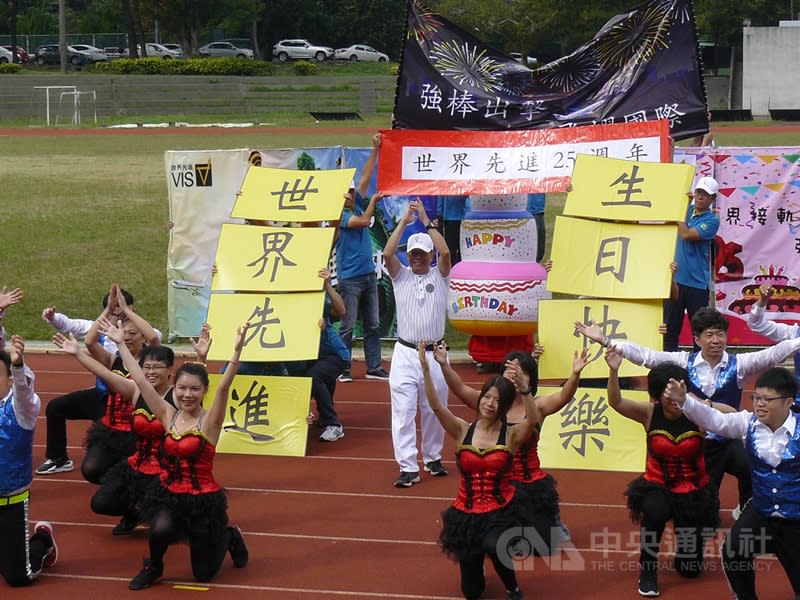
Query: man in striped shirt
420, 294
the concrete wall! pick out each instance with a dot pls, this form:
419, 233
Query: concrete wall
771, 77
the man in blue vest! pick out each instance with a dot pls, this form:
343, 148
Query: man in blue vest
770, 523
21, 558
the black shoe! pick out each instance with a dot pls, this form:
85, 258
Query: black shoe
407, 479
126, 526
150, 573
515, 595
648, 583
436, 468
238, 549
378, 374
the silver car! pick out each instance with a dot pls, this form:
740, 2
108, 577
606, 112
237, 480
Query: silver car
286, 49
223, 49
360, 52
94, 53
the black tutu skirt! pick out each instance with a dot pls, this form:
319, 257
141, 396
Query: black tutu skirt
205, 514
540, 499
465, 535
129, 487
120, 444
698, 509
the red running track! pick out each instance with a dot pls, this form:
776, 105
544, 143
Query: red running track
331, 525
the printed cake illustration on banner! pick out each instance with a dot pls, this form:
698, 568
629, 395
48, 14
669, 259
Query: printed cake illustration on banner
786, 298
496, 288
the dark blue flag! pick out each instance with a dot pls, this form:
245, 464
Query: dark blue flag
643, 65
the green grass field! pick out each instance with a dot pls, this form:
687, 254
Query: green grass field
81, 212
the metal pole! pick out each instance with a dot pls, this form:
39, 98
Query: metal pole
62, 35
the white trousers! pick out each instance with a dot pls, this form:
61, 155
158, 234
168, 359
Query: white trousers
407, 387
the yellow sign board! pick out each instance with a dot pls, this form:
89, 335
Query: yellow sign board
266, 415
588, 434
283, 327
623, 190
294, 196
271, 259
620, 320
611, 260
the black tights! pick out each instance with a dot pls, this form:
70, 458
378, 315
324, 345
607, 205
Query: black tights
206, 553
689, 537
473, 580
97, 462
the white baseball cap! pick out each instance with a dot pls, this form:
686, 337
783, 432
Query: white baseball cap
707, 184
419, 241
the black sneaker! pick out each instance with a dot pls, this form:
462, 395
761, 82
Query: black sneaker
436, 468
126, 526
238, 549
378, 374
515, 595
150, 573
648, 583
55, 465
407, 479
345, 377
51, 556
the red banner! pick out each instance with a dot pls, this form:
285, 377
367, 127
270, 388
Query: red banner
507, 162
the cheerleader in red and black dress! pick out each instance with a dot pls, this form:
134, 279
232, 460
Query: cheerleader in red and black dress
675, 484
537, 489
111, 439
486, 505
191, 504
127, 481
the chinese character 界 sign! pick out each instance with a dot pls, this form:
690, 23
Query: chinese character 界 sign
588, 434
620, 320
291, 195
251, 258
507, 162
266, 415
622, 190
283, 327
611, 260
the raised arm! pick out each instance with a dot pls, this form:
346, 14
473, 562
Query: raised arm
636, 411
633, 352
463, 392
553, 403
393, 264
26, 403
456, 428
758, 322
730, 425
202, 344
369, 166
92, 339
362, 220
162, 409
522, 430
150, 335
116, 382
338, 307
443, 261
212, 424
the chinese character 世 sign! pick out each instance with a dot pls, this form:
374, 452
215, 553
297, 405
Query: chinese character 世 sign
290, 195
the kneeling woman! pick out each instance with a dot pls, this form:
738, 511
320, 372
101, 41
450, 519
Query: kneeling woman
486, 505
675, 484
192, 504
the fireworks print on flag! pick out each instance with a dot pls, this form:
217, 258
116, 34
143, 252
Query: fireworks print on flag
634, 39
466, 65
677, 12
569, 73
425, 22
515, 79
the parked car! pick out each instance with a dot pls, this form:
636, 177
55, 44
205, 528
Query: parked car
5, 55
161, 51
286, 49
360, 52
94, 53
222, 49
22, 54
49, 55
115, 52
176, 48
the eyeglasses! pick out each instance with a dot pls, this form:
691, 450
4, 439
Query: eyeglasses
153, 367
766, 399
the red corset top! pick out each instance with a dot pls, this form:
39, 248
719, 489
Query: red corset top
149, 437
119, 412
677, 463
189, 460
527, 468
485, 485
